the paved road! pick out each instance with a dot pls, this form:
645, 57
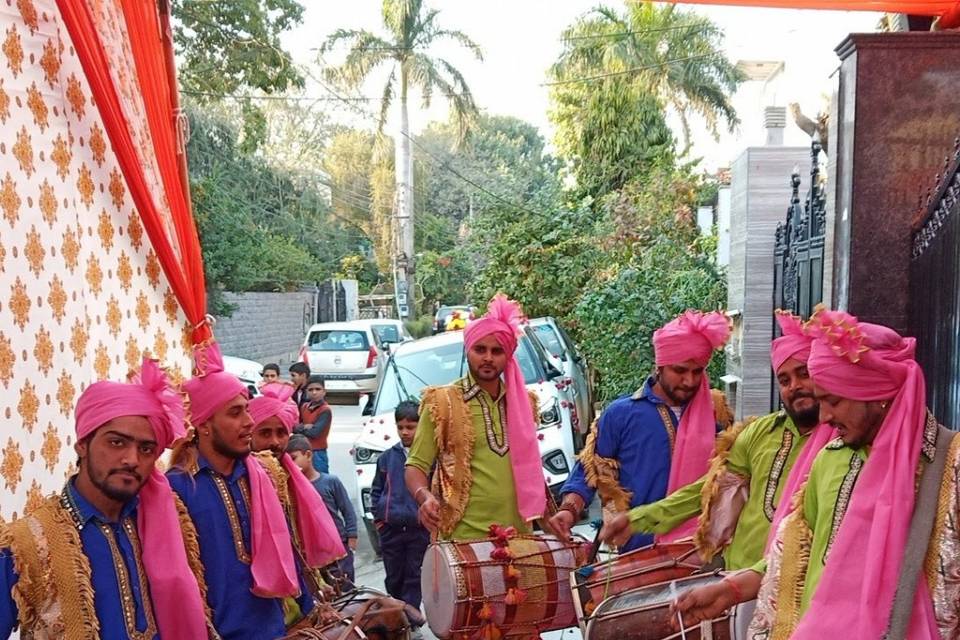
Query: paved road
369, 570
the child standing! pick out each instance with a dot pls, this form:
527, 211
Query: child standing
403, 541
315, 420
335, 496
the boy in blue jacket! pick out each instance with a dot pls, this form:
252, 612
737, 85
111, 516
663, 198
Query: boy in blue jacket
403, 541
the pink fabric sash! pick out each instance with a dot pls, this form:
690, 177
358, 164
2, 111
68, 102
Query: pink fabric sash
817, 440
869, 362
272, 565
321, 540
691, 336
503, 321
173, 587
318, 533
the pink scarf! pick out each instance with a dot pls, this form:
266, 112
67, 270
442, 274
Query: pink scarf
869, 362
691, 336
318, 533
795, 343
173, 587
503, 321
272, 565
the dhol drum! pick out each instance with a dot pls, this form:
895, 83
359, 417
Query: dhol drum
594, 583
468, 584
342, 630
379, 616
644, 614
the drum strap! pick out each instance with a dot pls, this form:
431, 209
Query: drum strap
921, 526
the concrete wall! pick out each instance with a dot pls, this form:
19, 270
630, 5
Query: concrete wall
266, 326
760, 195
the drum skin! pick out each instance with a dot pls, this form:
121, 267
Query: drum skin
644, 614
459, 578
638, 568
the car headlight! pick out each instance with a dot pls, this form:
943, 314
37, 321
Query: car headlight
365, 499
550, 416
555, 462
362, 455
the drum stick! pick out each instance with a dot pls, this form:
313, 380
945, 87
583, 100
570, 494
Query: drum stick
595, 548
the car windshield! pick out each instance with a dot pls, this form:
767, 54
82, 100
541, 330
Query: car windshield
410, 372
337, 340
549, 339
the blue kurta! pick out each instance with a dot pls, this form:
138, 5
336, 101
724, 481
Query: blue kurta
237, 613
631, 431
106, 598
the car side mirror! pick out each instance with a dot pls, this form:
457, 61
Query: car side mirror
368, 408
553, 372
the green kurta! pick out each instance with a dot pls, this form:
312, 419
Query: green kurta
492, 498
833, 476
764, 452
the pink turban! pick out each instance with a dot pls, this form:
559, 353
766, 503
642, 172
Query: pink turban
794, 343
503, 321
272, 565
868, 362
318, 533
173, 587
691, 336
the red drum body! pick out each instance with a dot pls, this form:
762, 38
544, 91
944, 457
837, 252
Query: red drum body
468, 584
644, 614
594, 583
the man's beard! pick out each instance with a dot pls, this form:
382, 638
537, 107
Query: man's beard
114, 493
223, 449
805, 418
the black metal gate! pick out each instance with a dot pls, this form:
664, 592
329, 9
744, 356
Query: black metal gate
798, 250
935, 292
332, 303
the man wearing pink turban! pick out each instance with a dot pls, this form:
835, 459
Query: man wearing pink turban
651, 443
748, 476
315, 536
481, 432
105, 558
865, 551
245, 543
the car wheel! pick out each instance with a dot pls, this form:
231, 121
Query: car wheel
373, 536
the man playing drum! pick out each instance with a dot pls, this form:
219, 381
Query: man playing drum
481, 432
870, 549
652, 443
749, 473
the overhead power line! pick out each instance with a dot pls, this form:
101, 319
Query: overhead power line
613, 74
614, 34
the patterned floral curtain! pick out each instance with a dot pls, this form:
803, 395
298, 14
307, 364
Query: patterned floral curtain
126, 53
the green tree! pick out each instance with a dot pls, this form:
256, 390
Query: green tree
358, 172
227, 48
411, 30
676, 55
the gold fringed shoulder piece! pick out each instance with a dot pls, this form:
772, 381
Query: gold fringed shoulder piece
797, 543
711, 487
721, 410
603, 474
455, 439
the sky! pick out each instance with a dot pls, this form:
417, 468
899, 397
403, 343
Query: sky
520, 39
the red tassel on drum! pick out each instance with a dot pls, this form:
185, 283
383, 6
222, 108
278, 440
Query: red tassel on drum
515, 596
501, 553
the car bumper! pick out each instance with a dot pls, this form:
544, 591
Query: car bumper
350, 383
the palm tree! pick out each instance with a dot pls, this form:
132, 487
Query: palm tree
411, 29
674, 54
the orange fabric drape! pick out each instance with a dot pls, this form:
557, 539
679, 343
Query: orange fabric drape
179, 256
914, 7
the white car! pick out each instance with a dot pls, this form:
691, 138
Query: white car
351, 355
565, 357
440, 360
247, 370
